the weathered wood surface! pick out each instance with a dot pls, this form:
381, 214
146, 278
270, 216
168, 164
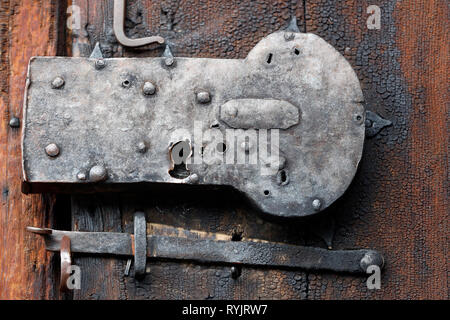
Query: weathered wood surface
27, 28
398, 202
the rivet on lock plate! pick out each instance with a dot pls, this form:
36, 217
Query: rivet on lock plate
285, 126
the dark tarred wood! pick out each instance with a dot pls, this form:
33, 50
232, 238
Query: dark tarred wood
27, 28
398, 201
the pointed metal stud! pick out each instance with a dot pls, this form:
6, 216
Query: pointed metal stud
100, 63
325, 229
293, 26
97, 52
374, 124
168, 56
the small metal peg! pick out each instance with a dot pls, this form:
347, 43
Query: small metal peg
235, 272
52, 150
203, 97
58, 83
316, 204
14, 122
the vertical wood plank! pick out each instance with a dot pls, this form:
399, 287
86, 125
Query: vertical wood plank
27, 28
100, 276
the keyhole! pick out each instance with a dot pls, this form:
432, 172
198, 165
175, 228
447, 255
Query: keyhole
179, 154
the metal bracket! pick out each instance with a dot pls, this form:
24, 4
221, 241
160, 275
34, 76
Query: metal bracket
119, 31
140, 244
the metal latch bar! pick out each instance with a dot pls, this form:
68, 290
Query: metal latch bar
249, 252
284, 126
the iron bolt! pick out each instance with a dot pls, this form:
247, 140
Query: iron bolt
193, 178
57, 83
142, 147
97, 173
149, 88
203, 97
100, 64
282, 178
52, 150
169, 61
316, 204
235, 272
14, 122
371, 258
81, 176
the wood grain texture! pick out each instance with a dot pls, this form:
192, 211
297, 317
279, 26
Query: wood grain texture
27, 28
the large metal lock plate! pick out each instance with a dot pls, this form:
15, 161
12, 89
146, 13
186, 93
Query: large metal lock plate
294, 104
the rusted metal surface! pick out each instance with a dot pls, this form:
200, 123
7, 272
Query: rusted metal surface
98, 118
250, 253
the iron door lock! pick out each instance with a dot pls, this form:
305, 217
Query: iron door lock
294, 104
285, 126
155, 241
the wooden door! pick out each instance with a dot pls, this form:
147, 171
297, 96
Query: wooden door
397, 204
